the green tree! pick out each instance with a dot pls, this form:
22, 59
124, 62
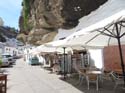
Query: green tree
26, 12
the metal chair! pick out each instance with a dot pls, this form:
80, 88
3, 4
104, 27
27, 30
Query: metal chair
80, 73
117, 79
92, 78
3, 83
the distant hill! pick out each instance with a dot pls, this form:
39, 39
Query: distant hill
7, 32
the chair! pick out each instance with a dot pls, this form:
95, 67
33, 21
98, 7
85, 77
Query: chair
80, 72
117, 79
3, 83
82, 75
92, 78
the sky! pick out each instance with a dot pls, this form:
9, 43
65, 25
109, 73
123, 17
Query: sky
10, 10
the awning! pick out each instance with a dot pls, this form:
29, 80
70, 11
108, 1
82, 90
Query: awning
85, 35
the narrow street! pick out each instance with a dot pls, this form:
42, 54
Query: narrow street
24, 78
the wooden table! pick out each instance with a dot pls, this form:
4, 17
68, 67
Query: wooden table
3, 83
94, 72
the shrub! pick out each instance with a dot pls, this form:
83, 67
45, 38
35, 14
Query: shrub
0, 61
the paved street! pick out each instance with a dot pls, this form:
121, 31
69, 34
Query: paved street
24, 78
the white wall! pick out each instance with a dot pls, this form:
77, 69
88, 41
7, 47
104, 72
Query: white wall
10, 50
96, 56
0, 50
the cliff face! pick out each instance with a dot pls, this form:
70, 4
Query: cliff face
46, 16
7, 32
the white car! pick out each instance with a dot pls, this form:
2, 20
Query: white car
7, 59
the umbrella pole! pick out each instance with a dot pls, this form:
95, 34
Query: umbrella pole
120, 52
64, 63
121, 57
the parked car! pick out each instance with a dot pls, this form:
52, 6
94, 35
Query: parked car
34, 61
7, 60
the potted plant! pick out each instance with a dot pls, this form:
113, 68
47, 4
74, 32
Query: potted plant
0, 62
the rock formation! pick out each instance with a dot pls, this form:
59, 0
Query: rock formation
7, 32
45, 17
1, 22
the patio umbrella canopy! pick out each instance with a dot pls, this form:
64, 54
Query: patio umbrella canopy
43, 48
102, 29
56, 44
64, 50
46, 49
109, 31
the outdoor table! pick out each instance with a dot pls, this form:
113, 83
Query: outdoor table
94, 72
3, 83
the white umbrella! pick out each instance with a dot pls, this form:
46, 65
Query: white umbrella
57, 44
109, 31
62, 44
46, 49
